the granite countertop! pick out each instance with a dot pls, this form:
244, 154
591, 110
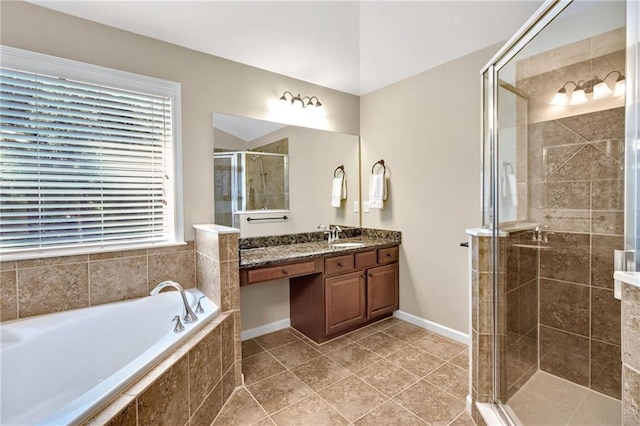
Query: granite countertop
289, 253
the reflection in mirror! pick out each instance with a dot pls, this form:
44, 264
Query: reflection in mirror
264, 171
249, 180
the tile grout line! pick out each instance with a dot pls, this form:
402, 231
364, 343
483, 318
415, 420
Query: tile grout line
355, 374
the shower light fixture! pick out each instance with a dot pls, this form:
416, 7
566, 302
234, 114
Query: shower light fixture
596, 87
578, 96
300, 102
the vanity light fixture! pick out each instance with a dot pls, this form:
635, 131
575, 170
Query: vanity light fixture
300, 102
596, 87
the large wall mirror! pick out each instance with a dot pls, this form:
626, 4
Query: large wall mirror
273, 178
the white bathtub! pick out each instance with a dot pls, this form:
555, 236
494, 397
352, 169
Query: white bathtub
58, 369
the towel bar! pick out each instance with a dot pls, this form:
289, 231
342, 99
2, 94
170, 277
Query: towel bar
507, 165
600, 218
284, 217
381, 162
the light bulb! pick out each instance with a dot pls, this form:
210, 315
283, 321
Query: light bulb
578, 97
600, 90
560, 98
620, 87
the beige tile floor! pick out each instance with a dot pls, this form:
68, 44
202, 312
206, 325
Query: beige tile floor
389, 373
548, 400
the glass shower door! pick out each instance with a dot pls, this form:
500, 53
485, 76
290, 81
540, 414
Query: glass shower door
556, 211
224, 183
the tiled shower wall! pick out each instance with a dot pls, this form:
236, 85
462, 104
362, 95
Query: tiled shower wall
575, 174
521, 298
277, 195
574, 161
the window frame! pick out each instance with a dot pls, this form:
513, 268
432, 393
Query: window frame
28, 61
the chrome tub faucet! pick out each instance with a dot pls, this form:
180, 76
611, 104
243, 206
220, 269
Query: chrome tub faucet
189, 316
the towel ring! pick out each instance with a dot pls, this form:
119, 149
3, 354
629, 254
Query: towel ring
384, 168
340, 168
507, 165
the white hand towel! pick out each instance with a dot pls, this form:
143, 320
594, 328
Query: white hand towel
513, 189
377, 191
338, 191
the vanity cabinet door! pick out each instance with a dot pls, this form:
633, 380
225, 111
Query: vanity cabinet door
382, 290
345, 302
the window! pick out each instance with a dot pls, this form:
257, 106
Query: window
88, 158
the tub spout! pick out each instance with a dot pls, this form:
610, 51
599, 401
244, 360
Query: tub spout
189, 316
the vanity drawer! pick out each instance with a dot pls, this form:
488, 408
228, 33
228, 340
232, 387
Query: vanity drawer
281, 271
338, 264
366, 259
388, 255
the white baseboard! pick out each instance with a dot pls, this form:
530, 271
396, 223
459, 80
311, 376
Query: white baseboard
432, 326
265, 329
410, 318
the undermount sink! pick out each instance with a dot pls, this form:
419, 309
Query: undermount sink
347, 245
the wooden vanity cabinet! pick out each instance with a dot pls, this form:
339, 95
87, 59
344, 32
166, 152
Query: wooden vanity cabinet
345, 302
362, 296
382, 290
335, 295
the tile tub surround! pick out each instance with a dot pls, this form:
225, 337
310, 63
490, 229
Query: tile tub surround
388, 373
190, 386
54, 284
217, 276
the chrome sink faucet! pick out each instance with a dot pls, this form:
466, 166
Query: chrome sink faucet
333, 231
189, 316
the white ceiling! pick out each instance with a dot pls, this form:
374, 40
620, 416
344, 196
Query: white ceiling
352, 46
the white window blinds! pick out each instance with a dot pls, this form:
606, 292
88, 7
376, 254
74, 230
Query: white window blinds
82, 165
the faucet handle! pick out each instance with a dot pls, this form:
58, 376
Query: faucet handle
179, 327
199, 309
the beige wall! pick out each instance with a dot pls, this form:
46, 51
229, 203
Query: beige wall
208, 83
427, 129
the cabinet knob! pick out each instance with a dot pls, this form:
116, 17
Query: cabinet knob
388, 254
340, 264
284, 271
